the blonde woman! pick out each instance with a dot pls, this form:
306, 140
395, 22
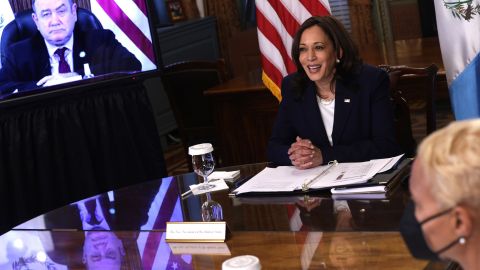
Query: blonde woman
445, 188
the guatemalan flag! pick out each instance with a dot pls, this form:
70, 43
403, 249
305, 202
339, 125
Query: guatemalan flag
6, 16
458, 23
128, 20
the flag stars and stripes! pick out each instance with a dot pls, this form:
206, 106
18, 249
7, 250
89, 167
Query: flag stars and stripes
277, 22
128, 20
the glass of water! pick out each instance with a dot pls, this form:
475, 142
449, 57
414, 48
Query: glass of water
203, 162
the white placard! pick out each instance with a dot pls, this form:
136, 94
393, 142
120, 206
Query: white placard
200, 248
196, 231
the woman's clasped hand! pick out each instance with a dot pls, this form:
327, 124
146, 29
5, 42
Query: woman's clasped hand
304, 154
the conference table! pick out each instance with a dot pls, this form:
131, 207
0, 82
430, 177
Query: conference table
125, 229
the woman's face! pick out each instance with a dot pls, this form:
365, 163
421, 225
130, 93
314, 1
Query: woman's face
438, 232
317, 55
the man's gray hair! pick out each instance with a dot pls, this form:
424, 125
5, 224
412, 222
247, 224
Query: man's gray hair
33, 4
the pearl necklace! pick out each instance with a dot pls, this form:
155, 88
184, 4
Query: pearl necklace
326, 101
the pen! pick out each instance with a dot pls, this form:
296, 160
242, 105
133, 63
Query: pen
306, 185
188, 192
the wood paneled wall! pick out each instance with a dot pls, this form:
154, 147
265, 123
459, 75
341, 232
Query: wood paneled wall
363, 32
20, 5
405, 20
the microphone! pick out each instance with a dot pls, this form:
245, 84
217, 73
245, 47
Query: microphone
86, 67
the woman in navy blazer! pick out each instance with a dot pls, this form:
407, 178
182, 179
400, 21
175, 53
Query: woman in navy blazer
334, 107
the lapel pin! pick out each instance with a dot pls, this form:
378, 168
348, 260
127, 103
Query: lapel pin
347, 100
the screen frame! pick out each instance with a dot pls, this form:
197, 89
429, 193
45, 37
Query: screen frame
35, 94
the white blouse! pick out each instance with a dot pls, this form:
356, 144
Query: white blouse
327, 111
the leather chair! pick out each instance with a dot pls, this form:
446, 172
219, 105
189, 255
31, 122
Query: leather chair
185, 83
422, 81
24, 27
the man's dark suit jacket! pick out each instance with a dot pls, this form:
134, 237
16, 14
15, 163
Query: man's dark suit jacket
363, 126
27, 61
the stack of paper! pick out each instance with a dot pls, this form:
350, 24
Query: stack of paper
383, 183
223, 175
289, 179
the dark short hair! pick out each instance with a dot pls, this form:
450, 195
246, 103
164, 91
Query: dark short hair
33, 4
349, 61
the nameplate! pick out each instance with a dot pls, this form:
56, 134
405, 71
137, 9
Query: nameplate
200, 248
196, 231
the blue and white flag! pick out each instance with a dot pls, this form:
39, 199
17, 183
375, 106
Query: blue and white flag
6, 16
458, 23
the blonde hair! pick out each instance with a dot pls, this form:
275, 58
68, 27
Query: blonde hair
451, 159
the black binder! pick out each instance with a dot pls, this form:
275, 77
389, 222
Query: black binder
390, 179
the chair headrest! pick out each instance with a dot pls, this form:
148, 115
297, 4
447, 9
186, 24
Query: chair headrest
24, 27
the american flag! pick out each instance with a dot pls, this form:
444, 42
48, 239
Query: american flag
308, 240
277, 22
152, 246
128, 20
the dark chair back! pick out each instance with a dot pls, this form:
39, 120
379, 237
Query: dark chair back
185, 83
24, 27
404, 80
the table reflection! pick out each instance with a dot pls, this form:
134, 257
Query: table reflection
317, 213
102, 250
211, 210
95, 219
142, 207
150, 205
125, 229
106, 250
27, 250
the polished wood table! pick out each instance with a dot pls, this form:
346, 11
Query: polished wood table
126, 228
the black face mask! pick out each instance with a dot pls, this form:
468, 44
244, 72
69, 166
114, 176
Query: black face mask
411, 230
412, 235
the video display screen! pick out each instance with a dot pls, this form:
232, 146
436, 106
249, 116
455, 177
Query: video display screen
60, 43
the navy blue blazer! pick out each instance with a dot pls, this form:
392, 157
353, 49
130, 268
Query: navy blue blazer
27, 61
363, 125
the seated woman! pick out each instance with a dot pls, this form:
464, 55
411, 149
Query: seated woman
334, 107
446, 192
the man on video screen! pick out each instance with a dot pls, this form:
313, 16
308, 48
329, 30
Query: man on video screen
58, 50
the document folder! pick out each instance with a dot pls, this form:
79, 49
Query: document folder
288, 181
381, 183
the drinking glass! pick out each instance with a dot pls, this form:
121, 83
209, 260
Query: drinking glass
203, 162
211, 210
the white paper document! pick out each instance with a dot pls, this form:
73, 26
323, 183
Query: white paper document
288, 178
223, 175
370, 189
